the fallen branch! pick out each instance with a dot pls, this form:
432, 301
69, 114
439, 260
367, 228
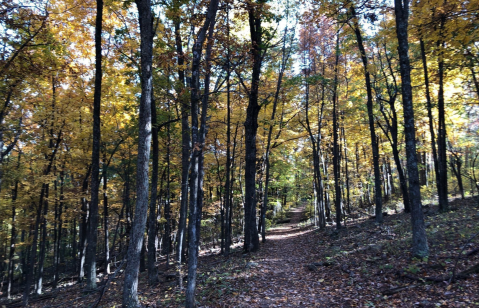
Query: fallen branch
472, 252
398, 289
462, 275
460, 253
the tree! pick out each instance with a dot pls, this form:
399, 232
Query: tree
130, 287
95, 173
419, 247
251, 239
374, 141
197, 140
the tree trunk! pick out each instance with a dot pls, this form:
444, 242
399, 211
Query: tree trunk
430, 116
374, 142
227, 203
167, 243
197, 140
419, 247
43, 242
185, 147
106, 215
441, 140
130, 287
90, 260
13, 235
251, 240
456, 165
284, 60
152, 222
83, 226
336, 151
58, 239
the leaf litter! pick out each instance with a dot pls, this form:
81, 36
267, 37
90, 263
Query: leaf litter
361, 265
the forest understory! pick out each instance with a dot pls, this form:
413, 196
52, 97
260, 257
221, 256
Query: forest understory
362, 265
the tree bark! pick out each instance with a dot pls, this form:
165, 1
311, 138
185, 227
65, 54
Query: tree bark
419, 247
227, 203
336, 151
251, 239
13, 235
185, 146
441, 140
130, 287
197, 140
374, 142
152, 218
90, 260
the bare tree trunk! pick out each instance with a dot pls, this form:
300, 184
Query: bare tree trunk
251, 239
374, 142
284, 60
43, 241
197, 140
227, 201
58, 238
336, 151
13, 235
441, 140
185, 147
419, 247
90, 260
130, 287
106, 215
152, 218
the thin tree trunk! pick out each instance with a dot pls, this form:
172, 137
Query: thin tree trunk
152, 218
456, 165
284, 60
167, 237
374, 142
336, 151
197, 140
185, 147
228, 205
90, 260
43, 242
441, 140
59, 232
106, 215
13, 235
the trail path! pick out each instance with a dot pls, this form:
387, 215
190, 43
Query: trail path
278, 276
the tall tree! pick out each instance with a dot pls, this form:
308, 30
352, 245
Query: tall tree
369, 104
152, 217
336, 151
185, 140
130, 287
419, 246
227, 202
90, 262
251, 239
197, 140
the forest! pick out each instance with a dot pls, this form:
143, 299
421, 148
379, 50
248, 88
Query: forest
141, 141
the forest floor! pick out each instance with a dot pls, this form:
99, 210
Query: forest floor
361, 265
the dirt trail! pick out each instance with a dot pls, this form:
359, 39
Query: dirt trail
277, 276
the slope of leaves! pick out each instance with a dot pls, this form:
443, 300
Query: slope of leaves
362, 265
